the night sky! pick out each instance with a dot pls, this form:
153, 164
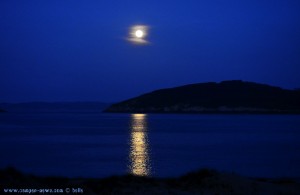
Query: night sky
75, 50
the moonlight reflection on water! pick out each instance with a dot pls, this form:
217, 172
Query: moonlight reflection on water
139, 155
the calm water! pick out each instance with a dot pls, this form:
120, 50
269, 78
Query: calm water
99, 145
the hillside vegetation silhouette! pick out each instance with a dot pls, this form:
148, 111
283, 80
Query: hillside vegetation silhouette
234, 96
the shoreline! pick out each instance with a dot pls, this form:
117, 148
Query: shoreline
204, 113
203, 181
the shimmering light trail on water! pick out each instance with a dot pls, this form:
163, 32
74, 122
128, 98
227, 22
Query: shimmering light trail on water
139, 155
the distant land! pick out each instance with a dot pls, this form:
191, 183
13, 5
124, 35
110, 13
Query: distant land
54, 107
233, 96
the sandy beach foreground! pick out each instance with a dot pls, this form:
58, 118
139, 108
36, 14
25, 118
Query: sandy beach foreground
204, 181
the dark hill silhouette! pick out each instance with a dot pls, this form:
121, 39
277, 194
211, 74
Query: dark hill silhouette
225, 97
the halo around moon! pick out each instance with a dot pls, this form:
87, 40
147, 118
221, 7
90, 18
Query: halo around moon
138, 34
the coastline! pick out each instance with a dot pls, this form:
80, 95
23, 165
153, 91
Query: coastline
204, 181
206, 112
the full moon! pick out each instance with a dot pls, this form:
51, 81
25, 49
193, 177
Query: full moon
139, 33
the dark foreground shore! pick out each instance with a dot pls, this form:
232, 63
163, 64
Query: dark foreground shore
204, 181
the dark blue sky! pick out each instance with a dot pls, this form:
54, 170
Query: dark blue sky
77, 50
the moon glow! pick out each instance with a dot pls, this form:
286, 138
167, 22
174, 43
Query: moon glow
138, 34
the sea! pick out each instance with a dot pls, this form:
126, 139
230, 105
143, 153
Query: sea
97, 145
